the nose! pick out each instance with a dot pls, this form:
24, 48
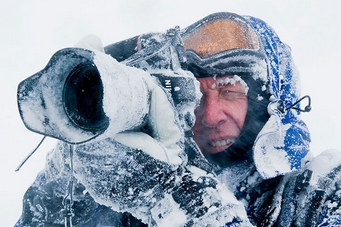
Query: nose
212, 112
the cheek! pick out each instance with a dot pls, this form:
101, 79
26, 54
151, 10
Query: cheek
237, 110
242, 111
198, 129
198, 117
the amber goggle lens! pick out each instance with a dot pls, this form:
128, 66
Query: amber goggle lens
220, 35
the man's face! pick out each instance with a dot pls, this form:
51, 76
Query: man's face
221, 114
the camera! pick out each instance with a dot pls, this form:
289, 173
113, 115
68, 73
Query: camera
84, 93
76, 96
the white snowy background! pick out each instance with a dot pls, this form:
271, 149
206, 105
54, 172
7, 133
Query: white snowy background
31, 31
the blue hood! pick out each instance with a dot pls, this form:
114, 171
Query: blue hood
284, 140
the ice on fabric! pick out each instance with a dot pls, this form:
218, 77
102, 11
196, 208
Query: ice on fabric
235, 62
121, 187
126, 95
269, 155
167, 213
91, 42
141, 102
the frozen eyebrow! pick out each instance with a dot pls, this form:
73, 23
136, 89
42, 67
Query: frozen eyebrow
231, 80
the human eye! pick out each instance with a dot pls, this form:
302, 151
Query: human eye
231, 95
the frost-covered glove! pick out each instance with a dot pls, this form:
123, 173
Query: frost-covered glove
150, 107
144, 172
312, 196
154, 191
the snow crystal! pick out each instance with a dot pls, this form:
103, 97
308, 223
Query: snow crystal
259, 97
197, 172
231, 80
263, 88
168, 213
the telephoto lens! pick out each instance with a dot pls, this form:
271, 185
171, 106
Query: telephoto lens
82, 94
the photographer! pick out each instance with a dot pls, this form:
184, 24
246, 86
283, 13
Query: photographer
247, 125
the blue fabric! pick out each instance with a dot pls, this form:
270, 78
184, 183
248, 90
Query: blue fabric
291, 132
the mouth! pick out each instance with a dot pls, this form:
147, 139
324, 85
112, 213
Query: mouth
217, 146
222, 143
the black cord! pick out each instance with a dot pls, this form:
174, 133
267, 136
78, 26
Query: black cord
29, 155
68, 199
307, 108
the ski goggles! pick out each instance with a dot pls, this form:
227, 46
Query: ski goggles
223, 44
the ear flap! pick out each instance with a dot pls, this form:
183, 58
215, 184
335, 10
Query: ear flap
284, 140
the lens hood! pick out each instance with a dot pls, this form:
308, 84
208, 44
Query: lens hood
64, 100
